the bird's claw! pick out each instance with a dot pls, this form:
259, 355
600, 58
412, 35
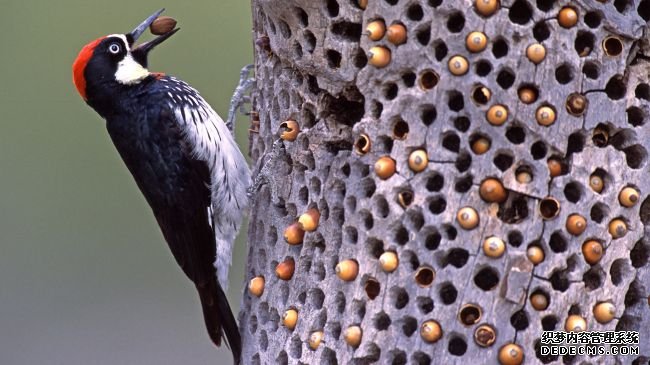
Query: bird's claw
240, 96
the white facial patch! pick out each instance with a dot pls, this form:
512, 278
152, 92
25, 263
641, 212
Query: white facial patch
129, 72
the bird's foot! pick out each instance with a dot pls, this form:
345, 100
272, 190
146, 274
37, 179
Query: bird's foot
240, 97
268, 172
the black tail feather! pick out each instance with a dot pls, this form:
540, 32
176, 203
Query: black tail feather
219, 318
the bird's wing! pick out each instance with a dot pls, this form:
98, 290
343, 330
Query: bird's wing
212, 142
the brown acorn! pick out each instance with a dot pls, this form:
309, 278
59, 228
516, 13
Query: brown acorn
567, 17
527, 95
486, 7
576, 104
493, 247
604, 312
596, 183
458, 65
352, 336
476, 42
256, 286
497, 114
363, 144
162, 25
535, 254
576, 224
480, 145
315, 338
617, 228
418, 160
430, 331
347, 270
385, 167
492, 191
294, 234
554, 167
388, 261
628, 197
485, 335
592, 251
467, 218
539, 301
284, 270
289, 318
363, 4
575, 323
545, 115
536, 53
376, 30
290, 130
396, 34
379, 56
309, 220
511, 354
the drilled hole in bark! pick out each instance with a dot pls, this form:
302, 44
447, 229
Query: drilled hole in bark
483, 68
310, 41
545, 5
381, 321
559, 280
549, 323
593, 19
423, 35
544, 358
425, 304
520, 12
424, 276
503, 161
557, 242
487, 278
332, 8
440, 49
516, 134
515, 238
519, 320
434, 3
644, 10
350, 235
428, 80
448, 293
505, 78
635, 116
538, 150
640, 254
455, 101
584, 43
463, 161
593, 278
375, 247
564, 74
469, 314
456, 22
634, 294
347, 31
390, 91
541, 31
397, 357
619, 270
456, 257
591, 70
463, 184
401, 235
451, 142
635, 156
285, 31
622, 5
573, 191
437, 204
411, 258
462, 124
435, 182
409, 326
414, 12
432, 240
615, 88
399, 297
457, 346
372, 288
500, 48
408, 78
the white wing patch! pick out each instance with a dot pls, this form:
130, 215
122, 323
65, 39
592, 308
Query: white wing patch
212, 142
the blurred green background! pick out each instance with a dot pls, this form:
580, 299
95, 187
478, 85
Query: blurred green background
85, 275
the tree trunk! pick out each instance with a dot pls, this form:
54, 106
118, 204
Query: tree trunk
563, 133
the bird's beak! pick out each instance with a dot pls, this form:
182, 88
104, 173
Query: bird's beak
140, 51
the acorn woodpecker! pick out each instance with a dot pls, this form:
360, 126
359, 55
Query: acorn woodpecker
182, 156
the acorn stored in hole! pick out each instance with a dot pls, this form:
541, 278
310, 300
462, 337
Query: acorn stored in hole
628, 197
458, 65
379, 56
545, 115
554, 167
576, 104
468, 218
315, 338
576, 224
497, 114
290, 130
347, 270
363, 144
362, 4
536, 53
289, 318
596, 183
418, 160
575, 323
617, 228
527, 95
492, 191
539, 301
486, 7
535, 254
385, 167
284, 270
256, 286
604, 312
294, 234
396, 34
352, 336
511, 354
388, 261
494, 247
592, 251
162, 24
481, 145
567, 17
405, 198
309, 220
376, 30
485, 335
476, 42
431, 330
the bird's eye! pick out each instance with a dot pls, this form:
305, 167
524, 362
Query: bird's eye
114, 48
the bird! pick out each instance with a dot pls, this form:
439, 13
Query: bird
183, 158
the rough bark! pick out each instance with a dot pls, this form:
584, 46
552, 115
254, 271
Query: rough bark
315, 70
